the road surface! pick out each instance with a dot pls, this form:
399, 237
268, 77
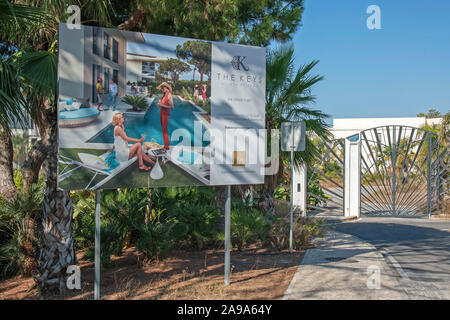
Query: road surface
417, 250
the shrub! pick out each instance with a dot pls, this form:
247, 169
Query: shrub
20, 232
155, 237
138, 103
122, 213
195, 223
247, 224
304, 230
193, 211
315, 189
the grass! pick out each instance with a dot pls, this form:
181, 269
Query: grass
129, 177
80, 177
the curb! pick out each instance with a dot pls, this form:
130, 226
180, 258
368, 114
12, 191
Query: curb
440, 217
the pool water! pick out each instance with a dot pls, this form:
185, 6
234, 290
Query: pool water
188, 157
181, 117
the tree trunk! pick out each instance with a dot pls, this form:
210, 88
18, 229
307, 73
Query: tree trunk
57, 252
133, 21
7, 187
42, 118
32, 165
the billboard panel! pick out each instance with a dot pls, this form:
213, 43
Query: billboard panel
145, 110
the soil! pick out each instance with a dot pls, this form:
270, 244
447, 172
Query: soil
256, 273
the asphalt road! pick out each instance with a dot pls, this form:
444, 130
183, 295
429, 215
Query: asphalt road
417, 250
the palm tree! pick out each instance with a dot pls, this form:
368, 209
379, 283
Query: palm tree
288, 96
30, 29
11, 111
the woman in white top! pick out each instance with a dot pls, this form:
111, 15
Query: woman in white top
196, 94
123, 153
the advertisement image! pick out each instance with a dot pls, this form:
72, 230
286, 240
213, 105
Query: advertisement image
145, 110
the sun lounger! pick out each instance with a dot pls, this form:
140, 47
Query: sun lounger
95, 164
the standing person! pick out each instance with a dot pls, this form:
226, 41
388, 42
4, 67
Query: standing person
196, 94
99, 88
165, 105
204, 94
112, 95
123, 153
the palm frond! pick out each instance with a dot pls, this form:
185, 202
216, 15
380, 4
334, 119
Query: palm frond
39, 71
20, 14
13, 107
289, 95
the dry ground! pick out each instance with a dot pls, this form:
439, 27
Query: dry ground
257, 273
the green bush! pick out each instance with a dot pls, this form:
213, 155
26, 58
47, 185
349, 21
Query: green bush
195, 223
138, 103
315, 189
122, 213
193, 211
248, 224
304, 230
20, 232
155, 237
281, 193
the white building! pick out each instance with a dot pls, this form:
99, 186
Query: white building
345, 127
141, 67
89, 53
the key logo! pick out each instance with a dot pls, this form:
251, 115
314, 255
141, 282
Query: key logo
238, 63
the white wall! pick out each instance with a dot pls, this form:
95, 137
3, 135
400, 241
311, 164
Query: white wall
71, 61
345, 127
134, 67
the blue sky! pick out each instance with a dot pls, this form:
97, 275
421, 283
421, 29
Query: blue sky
400, 70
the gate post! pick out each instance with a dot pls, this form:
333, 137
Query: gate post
352, 177
300, 188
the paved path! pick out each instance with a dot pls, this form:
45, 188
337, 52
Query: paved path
417, 250
343, 266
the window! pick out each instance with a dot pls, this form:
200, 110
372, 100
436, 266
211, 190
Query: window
106, 46
116, 76
106, 78
115, 50
96, 73
148, 68
96, 40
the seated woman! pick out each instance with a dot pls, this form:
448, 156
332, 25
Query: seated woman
123, 153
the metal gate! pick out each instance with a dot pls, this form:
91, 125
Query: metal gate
325, 180
400, 171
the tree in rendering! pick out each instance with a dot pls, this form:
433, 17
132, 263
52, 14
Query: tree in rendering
197, 53
174, 67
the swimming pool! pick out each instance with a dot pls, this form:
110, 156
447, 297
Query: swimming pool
181, 117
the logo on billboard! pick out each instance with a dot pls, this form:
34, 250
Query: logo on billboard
238, 62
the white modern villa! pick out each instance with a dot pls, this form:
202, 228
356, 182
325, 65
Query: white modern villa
92, 53
141, 67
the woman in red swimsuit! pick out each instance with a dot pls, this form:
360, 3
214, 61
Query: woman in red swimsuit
204, 94
165, 105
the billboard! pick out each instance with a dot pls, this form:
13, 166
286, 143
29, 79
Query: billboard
145, 110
